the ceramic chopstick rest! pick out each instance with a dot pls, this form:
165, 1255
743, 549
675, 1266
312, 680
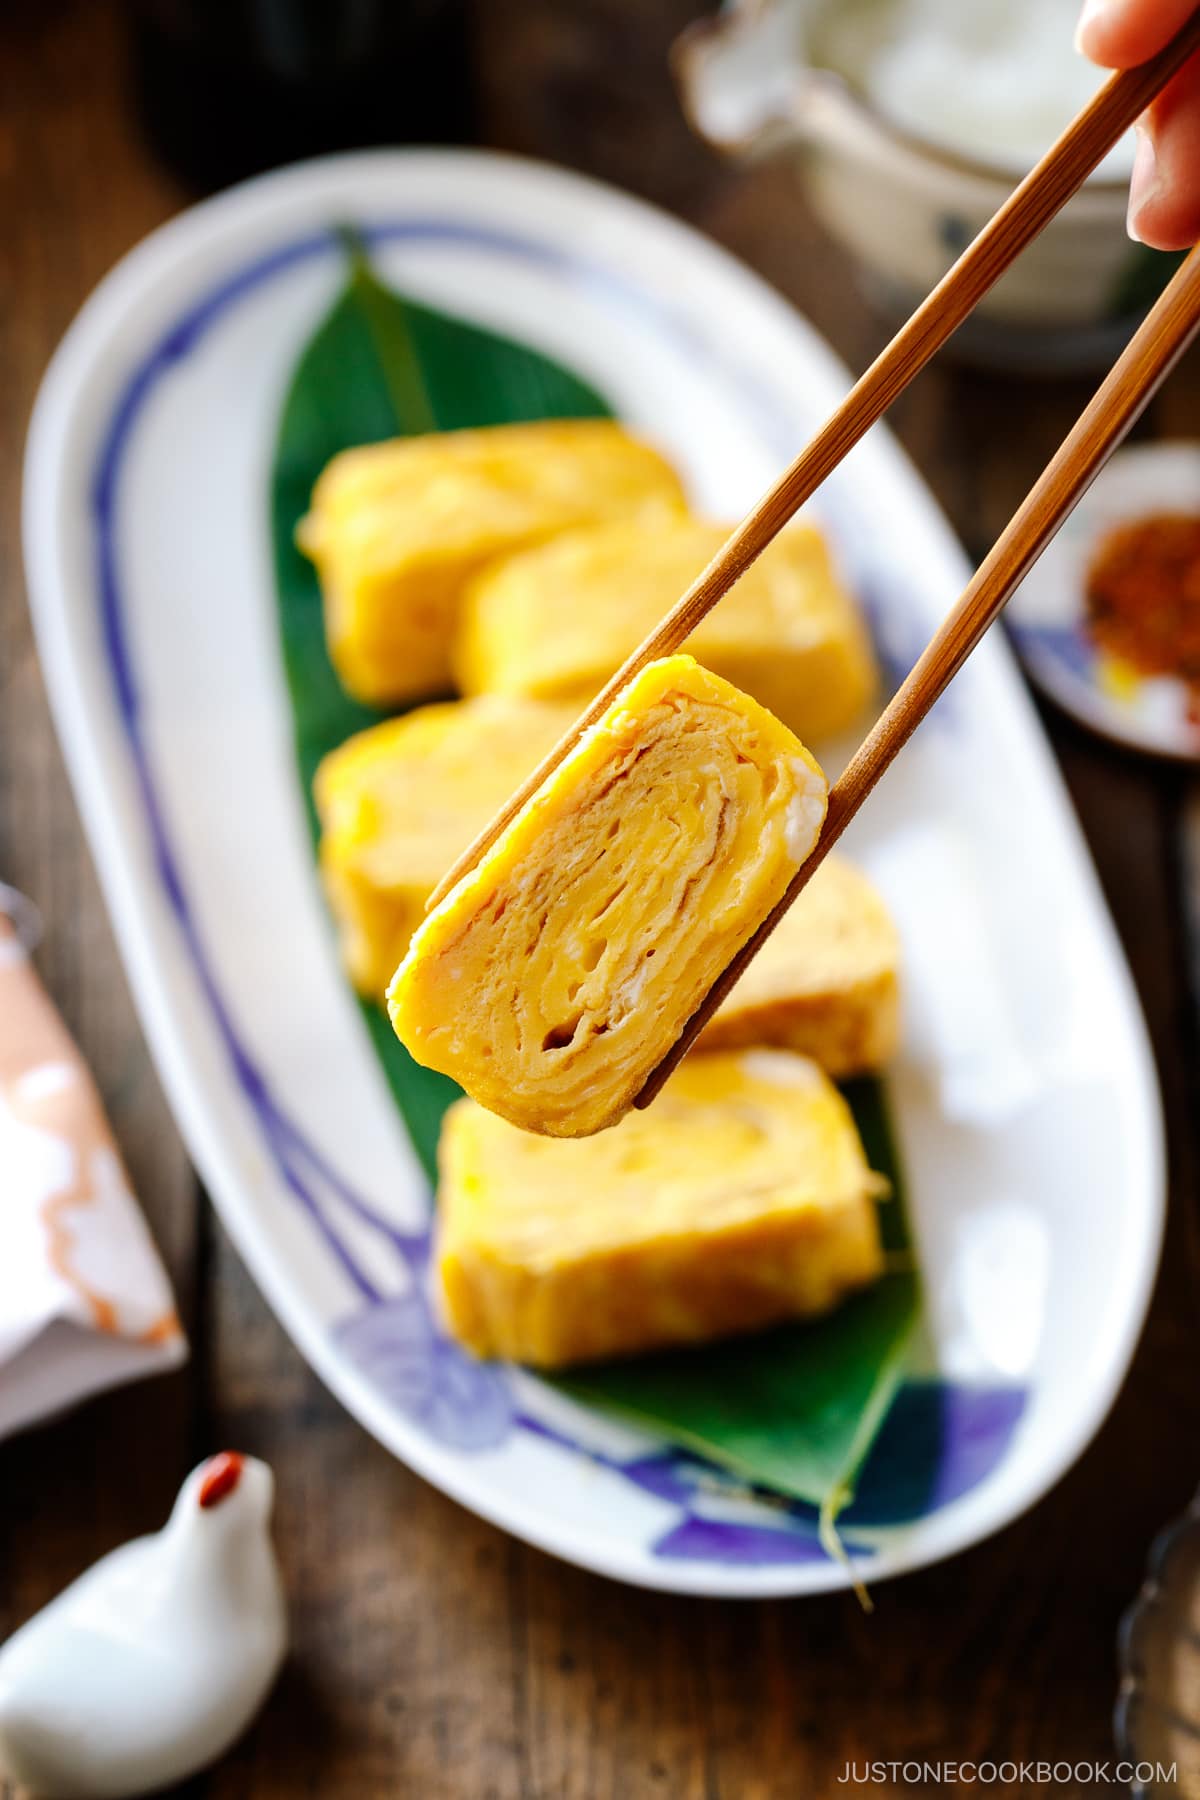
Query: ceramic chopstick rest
84, 1300
154, 1661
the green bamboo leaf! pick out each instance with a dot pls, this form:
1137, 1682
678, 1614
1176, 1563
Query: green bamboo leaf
797, 1409
380, 367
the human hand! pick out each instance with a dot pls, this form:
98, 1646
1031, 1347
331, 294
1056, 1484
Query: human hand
1164, 192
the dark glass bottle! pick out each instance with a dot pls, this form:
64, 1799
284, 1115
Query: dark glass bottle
227, 88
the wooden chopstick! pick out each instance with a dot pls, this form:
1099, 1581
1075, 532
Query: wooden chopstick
1024, 214
1142, 367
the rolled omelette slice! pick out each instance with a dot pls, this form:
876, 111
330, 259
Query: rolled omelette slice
826, 982
555, 621
557, 973
397, 529
739, 1199
400, 801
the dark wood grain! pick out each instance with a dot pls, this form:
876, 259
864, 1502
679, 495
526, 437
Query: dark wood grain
432, 1656
74, 192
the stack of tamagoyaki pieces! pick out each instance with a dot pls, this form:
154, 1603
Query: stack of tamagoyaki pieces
524, 564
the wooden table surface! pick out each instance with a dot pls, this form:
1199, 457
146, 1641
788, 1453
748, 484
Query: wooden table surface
433, 1656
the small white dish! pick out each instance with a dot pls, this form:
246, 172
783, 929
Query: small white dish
906, 202
1047, 616
1025, 1099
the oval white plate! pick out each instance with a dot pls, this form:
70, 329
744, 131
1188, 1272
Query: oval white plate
1025, 1098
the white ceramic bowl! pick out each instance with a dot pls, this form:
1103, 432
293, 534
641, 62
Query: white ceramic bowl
906, 208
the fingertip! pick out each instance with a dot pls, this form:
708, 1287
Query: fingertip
1144, 183
1164, 193
1121, 34
1165, 222
1092, 34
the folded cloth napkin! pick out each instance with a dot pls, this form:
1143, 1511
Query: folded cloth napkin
84, 1300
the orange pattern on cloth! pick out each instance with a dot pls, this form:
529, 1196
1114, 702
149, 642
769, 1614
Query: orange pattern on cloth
95, 1239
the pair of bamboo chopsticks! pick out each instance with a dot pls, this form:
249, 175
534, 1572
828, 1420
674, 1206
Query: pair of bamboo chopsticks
1148, 359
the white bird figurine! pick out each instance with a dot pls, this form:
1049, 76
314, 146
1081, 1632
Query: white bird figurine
153, 1662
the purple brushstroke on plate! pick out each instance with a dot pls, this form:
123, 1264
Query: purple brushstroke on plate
940, 1439
461, 1402
669, 1475
721, 1541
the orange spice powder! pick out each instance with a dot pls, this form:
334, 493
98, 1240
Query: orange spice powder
1143, 594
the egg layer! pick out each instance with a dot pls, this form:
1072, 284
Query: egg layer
555, 621
739, 1199
557, 973
399, 802
826, 982
397, 529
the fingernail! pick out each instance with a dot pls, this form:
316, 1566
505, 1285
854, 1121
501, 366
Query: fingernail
1092, 10
1143, 183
